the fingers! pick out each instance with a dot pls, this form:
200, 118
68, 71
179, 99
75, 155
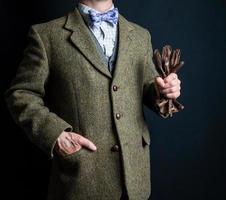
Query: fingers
84, 142
172, 83
169, 81
160, 82
169, 86
173, 95
170, 77
66, 147
172, 89
68, 143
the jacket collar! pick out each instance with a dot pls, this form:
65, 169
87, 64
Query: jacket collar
82, 40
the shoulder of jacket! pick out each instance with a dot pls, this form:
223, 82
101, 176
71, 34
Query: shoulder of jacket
142, 33
50, 26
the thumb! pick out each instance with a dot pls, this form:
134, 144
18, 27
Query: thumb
160, 82
87, 143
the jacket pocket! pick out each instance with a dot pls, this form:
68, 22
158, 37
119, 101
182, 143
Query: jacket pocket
71, 162
75, 154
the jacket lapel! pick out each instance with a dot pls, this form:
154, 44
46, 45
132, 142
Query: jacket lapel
82, 39
124, 41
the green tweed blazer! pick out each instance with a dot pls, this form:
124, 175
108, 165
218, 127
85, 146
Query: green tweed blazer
62, 84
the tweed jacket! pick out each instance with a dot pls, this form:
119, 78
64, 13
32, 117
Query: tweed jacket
62, 84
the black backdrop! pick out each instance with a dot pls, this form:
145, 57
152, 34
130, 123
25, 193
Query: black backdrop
188, 151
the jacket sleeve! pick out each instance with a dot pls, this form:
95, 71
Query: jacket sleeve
150, 93
25, 96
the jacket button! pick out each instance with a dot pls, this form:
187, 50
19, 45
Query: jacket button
115, 88
118, 115
115, 148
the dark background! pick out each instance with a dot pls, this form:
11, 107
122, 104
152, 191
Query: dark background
188, 151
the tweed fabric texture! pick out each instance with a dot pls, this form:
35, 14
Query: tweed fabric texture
62, 84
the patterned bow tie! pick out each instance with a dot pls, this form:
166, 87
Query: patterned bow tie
97, 18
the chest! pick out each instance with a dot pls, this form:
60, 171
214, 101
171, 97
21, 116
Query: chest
68, 63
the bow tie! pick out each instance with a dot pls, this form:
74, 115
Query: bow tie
110, 16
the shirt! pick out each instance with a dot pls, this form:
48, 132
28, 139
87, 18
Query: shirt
105, 34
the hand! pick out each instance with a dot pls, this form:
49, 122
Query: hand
69, 143
169, 86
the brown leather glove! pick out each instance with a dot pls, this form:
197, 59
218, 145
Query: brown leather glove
166, 63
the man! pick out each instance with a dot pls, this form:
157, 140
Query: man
79, 94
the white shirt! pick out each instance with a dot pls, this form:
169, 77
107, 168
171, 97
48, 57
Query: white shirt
105, 34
